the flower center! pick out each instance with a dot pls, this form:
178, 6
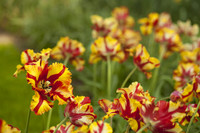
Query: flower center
45, 85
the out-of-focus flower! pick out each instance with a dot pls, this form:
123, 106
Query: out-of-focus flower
100, 127
105, 47
184, 74
79, 111
110, 108
103, 27
187, 29
196, 86
143, 61
164, 20
191, 56
68, 128
29, 57
188, 93
189, 112
128, 105
6, 128
122, 16
148, 23
185, 95
163, 116
131, 100
129, 39
78, 63
170, 39
48, 81
68, 49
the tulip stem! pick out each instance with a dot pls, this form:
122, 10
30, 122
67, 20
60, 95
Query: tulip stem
127, 129
129, 75
155, 74
158, 99
188, 129
143, 128
109, 77
94, 79
28, 120
49, 119
60, 124
66, 60
103, 73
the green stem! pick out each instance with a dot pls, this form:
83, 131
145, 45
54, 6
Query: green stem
108, 77
28, 120
94, 79
111, 121
143, 128
129, 75
151, 44
60, 124
155, 74
49, 119
127, 129
103, 67
66, 60
188, 129
61, 111
165, 98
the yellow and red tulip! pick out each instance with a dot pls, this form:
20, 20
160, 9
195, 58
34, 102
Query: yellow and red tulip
67, 48
121, 14
184, 74
163, 117
6, 128
100, 127
79, 111
29, 57
52, 81
143, 61
103, 27
104, 47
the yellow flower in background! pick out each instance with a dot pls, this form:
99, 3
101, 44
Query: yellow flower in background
6, 128
164, 20
129, 39
70, 50
187, 29
104, 47
103, 27
147, 24
184, 74
29, 57
100, 127
78, 63
68, 128
122, 16
169, 39
79, 111
143, 61
191, 56
52, 82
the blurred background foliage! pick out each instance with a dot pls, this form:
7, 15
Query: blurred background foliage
43, 22
40, 24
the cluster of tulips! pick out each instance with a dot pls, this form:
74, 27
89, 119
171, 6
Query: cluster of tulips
115, 40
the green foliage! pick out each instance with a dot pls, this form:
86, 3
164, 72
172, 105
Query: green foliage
16, 94
43, 22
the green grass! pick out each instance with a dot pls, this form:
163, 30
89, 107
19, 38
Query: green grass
16, 94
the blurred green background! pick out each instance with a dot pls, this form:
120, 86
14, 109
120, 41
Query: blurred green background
39, 24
